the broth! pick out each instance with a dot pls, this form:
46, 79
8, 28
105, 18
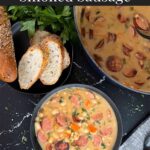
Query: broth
76, 119
109, 34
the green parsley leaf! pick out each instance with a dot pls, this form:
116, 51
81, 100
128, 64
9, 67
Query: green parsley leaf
29, 26
55, 19
103, 146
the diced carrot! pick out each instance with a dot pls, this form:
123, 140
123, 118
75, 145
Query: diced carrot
67, 135
75, 127
92, 128
87, 103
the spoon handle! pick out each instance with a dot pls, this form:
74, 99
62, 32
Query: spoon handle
145, 35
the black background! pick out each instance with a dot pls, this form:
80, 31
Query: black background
75, 2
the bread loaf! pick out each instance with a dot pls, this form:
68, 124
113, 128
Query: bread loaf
8, 68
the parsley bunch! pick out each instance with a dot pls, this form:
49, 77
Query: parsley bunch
56, 19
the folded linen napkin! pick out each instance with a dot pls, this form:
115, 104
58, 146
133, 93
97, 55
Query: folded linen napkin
136, 140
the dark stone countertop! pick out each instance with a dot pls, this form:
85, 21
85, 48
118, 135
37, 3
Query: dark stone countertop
16, 108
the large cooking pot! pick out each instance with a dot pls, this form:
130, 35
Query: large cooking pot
99, 70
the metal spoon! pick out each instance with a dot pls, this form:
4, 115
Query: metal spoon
144, 34
147, 142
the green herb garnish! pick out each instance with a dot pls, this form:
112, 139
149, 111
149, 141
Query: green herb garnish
126, 25
55, 19
61, 100
97, 121
75, 113
142, 95
87, 114
131, 8
84, 110
103, 146
49, 134
89, 136
88, 117
97, 12
124, 61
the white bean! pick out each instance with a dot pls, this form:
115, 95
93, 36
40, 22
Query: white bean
60, 130
37, 119
68, 131
94, 101
41, 115
37, 126
85, 131
55, 135
85, 124
50, 140
63, 104
84, 114
55, 111
66, 140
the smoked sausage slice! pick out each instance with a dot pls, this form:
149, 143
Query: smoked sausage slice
114, 63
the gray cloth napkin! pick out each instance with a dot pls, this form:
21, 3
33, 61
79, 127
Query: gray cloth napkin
136, 140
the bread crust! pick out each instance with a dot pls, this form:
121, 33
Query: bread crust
44, 46
8, 67
66, 58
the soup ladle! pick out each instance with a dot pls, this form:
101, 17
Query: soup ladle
147, 142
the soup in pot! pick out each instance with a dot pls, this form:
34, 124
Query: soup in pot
110, 36
76, 119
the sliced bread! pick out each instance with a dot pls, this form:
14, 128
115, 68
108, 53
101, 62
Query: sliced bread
66, 58
38, 37
53, 70
30, 67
